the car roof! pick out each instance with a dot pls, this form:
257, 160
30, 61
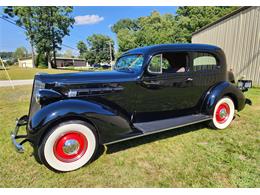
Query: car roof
183, 47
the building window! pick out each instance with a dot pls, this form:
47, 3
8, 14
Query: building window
204, 61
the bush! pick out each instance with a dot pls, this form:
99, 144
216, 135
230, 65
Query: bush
9, 62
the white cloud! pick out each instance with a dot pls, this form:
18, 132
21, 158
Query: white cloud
88, 19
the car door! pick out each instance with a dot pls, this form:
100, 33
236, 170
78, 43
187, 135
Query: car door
206, 70
166, 89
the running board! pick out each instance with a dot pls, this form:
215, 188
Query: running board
166, 124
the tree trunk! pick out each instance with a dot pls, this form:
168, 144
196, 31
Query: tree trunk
49, 65
48, 61
53, 43
53, 48
54, 57
33, 56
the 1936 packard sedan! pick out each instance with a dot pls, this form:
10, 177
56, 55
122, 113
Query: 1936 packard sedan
151, 89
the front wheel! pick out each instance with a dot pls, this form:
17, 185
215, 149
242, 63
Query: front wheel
223, 113
68, 146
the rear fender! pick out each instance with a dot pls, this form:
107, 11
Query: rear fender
220, 90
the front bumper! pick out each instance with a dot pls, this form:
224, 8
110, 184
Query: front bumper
14, 134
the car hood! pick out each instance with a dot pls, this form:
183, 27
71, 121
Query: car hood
88, 77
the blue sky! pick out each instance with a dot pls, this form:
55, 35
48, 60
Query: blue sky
95, 20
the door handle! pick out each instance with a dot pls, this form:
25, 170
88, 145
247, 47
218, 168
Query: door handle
152, 82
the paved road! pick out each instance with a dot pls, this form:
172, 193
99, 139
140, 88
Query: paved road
6, 83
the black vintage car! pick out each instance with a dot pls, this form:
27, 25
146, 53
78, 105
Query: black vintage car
151, 89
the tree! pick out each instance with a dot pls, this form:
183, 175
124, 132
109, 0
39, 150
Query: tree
167, 28
6, 54
190, 18
53, 24
20, 52
82, 47
24, 18
153, 29
8, 57
128, 24
156, 29
45, 26
100, 49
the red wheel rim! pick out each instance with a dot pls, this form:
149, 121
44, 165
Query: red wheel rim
222, 113
70, 146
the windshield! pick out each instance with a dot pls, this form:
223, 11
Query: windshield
129, 63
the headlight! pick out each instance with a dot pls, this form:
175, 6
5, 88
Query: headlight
37, 96
38, 85
46, 96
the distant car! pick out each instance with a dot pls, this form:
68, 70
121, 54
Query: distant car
96, 66
106, 66
151, 89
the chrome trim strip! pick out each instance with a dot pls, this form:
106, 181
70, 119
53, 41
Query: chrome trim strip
93, 91
158, 131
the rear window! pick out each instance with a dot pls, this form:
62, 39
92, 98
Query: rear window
204, 61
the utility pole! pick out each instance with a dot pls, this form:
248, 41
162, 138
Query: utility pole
110, 52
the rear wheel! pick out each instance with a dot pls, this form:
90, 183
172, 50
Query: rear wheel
68, 146
223, 113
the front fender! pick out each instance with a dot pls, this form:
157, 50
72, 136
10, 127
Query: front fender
101, 116
64, 109
220, 90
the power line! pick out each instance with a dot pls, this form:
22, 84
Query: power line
69, 47
14, 23
11, 22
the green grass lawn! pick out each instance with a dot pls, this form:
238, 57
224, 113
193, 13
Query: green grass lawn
194, 156
17, 73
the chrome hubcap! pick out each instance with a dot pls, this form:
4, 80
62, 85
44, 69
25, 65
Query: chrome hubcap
223, 113
71, 146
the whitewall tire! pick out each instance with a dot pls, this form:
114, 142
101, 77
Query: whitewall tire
68, 146
223, 113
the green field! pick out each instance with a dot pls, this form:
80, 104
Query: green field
17, 73
194, 156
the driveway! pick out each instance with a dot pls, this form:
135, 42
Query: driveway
7, 83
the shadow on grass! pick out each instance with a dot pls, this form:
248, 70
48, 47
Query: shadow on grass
2, 69
113, 148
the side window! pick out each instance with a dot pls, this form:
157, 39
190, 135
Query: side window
155, 65
165, 64
169, 62
204, 61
